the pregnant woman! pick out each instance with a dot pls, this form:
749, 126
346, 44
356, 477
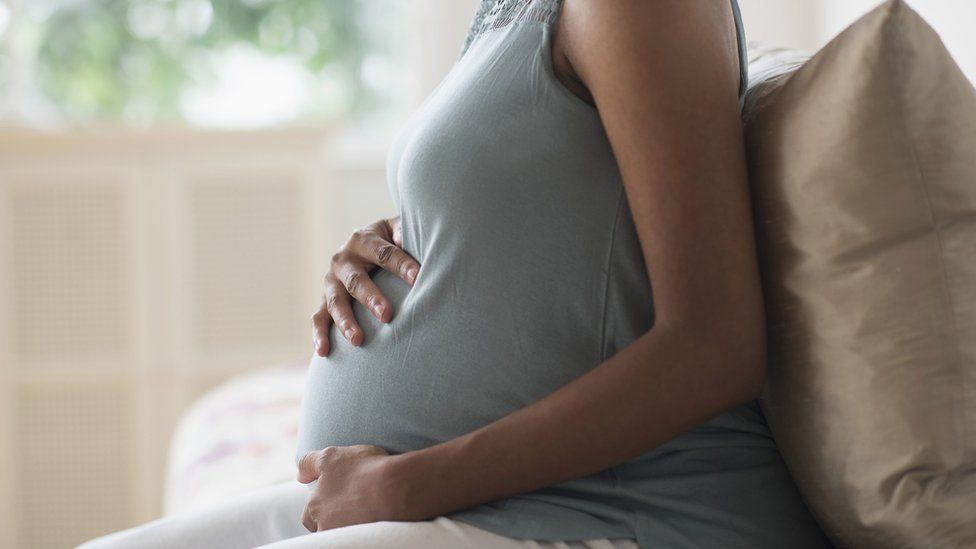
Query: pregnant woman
505, 377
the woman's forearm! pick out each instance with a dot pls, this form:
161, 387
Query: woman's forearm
661, 385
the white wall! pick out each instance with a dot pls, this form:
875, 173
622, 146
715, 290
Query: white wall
790, 23
437, 29
954, 20
809, 24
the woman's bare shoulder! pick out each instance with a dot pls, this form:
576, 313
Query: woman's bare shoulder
581, 21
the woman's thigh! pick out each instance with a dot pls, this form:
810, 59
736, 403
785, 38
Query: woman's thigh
439, 533
260, 517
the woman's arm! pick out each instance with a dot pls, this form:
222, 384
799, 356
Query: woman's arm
664, 77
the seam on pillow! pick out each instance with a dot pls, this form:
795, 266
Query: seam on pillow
896, 35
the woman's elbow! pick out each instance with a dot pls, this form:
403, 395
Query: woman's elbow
753, 377
736, 363
746, 369
741, 336
731, 357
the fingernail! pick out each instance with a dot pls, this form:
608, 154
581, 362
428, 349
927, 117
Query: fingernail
379, 311
412, 274
349, 333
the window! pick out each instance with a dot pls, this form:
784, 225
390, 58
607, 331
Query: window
203, 63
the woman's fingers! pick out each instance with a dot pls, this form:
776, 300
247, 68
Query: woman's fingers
396, 229
381, 244
338, 303
308, 522
378, 244
320, 330
348, 279
362, 288
391, 257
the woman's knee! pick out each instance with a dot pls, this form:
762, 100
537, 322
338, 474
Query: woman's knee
259, 517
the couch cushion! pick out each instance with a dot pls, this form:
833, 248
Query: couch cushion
863, 172
238, 437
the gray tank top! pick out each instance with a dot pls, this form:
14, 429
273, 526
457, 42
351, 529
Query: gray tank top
532, 274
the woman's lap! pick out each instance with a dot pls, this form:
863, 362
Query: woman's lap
260, 517
439, 533
271, 518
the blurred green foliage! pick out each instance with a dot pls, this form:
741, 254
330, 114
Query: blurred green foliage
98, 56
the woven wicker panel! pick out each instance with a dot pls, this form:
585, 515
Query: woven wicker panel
246, 280
74, 461
68, 270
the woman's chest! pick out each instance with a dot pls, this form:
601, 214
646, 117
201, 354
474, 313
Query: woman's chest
500, 128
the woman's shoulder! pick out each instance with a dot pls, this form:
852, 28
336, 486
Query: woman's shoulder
590, 36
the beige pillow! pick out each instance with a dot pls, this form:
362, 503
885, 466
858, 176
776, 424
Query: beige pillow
863, 169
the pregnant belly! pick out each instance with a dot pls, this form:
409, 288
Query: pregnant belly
450, 361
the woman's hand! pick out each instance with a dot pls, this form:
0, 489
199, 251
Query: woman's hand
378, 245
353, 487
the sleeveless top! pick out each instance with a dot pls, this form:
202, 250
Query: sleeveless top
531, 275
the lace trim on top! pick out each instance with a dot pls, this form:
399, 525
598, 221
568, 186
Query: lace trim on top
494, 14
